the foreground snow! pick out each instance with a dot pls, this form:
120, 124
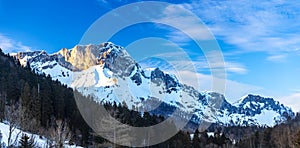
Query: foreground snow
40, 141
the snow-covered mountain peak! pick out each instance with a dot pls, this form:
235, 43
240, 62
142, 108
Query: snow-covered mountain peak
256, 103
117, 60
24, 57
110, 46
109, 73
81, 57
255, 100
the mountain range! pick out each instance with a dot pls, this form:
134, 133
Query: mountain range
109, 74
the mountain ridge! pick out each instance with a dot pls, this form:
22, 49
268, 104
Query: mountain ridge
107, 69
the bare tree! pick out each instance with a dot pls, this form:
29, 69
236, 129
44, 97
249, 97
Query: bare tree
115, 131
60, 133
12, 115
17, 118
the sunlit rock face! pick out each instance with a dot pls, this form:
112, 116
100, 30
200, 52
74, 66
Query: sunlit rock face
81, 56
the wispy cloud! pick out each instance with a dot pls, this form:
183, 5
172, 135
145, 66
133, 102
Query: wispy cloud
277, 58
295, 90
292, 101
200, 63
248, 26
230, 67
235, 67
188, 26
253, 25
9, 45
232, 90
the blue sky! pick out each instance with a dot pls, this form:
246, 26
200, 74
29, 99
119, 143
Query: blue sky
260, 40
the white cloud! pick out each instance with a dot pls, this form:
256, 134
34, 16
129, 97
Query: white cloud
277, 58
189, 26
200, 63
10, 46
235, 68
296, 90
231, 67
292, 101
233, 90
251, 26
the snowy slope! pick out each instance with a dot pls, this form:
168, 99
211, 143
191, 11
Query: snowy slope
16, 135
108, 73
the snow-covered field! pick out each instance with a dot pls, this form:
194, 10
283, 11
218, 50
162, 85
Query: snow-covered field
40, 141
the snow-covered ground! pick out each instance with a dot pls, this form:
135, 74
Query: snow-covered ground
40, 141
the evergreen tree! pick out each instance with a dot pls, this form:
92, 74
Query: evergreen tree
2, 106
256, 139
266, 142
26, 97
297, 139
203, 138
26, 142
58, 101
196, 139
35, 107
46, 103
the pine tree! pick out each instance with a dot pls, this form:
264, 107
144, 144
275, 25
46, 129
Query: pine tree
267, 138
26, 107
196, 139
58, 101
297, 139
2, 106
203, 138
26, 98
46, 103
35, 108
26, 142
257, 139
26, 92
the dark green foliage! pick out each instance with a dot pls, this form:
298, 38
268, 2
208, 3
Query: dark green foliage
297, 139
35, 105
26, 142
196, 139
2, 106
